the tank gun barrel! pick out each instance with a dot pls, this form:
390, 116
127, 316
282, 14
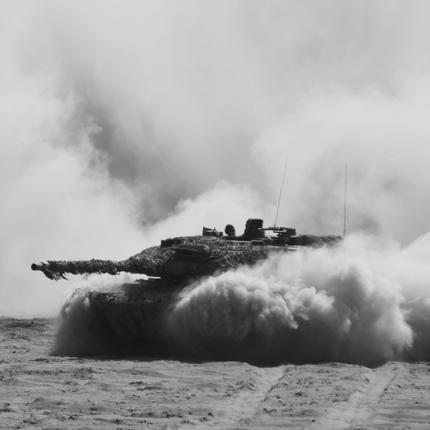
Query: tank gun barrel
139, 264
57, 269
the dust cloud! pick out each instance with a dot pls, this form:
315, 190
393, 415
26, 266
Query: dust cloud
355, 303
122, 123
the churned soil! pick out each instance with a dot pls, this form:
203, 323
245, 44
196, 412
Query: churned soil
41, 391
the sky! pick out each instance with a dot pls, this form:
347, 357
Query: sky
125, 122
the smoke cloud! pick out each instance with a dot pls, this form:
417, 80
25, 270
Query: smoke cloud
122, 123
358, 303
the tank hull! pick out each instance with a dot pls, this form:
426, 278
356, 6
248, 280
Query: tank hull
125, 320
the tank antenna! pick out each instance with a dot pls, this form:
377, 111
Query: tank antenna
345, 195
280, 192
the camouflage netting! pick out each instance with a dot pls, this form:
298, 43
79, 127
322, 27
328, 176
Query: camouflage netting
189, 257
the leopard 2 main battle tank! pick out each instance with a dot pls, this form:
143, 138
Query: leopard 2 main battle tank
130, 316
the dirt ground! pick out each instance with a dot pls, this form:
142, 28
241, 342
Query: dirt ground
45, 392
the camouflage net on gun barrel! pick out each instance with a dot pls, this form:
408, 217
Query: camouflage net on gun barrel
56, 270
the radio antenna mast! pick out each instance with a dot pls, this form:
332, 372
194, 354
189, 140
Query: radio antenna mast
345, 200
280, 192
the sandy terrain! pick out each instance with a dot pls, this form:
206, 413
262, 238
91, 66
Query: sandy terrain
44, 392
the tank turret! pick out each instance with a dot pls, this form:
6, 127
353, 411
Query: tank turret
189, 257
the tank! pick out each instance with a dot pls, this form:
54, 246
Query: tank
185, 259
132, 314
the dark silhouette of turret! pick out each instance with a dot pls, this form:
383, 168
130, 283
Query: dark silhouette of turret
187, 258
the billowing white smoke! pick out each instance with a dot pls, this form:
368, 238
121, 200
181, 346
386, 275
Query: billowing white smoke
353, 303
64, 178
57, 197
125, 122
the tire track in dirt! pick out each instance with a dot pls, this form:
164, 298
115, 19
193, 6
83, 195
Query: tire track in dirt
242, 403
362, 406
